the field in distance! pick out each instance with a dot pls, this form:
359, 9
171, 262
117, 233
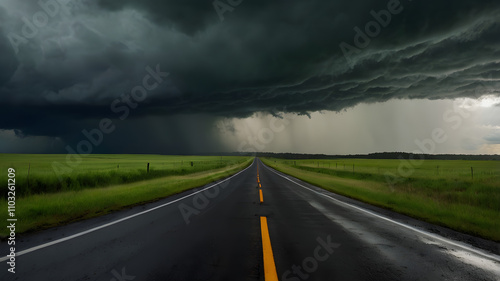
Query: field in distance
444, 192
101, 184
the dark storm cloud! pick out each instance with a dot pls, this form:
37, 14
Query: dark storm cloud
188, 16
269, 56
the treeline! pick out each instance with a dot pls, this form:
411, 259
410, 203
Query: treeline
377, 155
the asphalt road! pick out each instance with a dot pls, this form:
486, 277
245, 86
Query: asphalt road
216, 233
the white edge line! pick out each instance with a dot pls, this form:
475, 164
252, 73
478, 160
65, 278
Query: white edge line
442, 239
29, 250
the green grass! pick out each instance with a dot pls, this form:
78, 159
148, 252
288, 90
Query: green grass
38, 211
438, 191
97, 170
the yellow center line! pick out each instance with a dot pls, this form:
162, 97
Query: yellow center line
261, 196
269, 265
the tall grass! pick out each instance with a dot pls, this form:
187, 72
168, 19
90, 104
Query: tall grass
41, 211
438, 191
99, 170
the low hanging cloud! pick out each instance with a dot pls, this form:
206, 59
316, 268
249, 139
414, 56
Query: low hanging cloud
62, 71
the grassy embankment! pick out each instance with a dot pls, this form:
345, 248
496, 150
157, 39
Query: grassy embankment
98, 186
442, 192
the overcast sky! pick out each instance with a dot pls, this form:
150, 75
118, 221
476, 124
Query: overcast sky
180, 76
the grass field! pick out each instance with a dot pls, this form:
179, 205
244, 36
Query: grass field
443, 192
98, 170
97, 186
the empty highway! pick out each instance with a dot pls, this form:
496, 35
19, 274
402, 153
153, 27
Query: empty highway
256, 225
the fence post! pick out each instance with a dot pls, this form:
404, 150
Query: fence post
148, 168
29, 167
